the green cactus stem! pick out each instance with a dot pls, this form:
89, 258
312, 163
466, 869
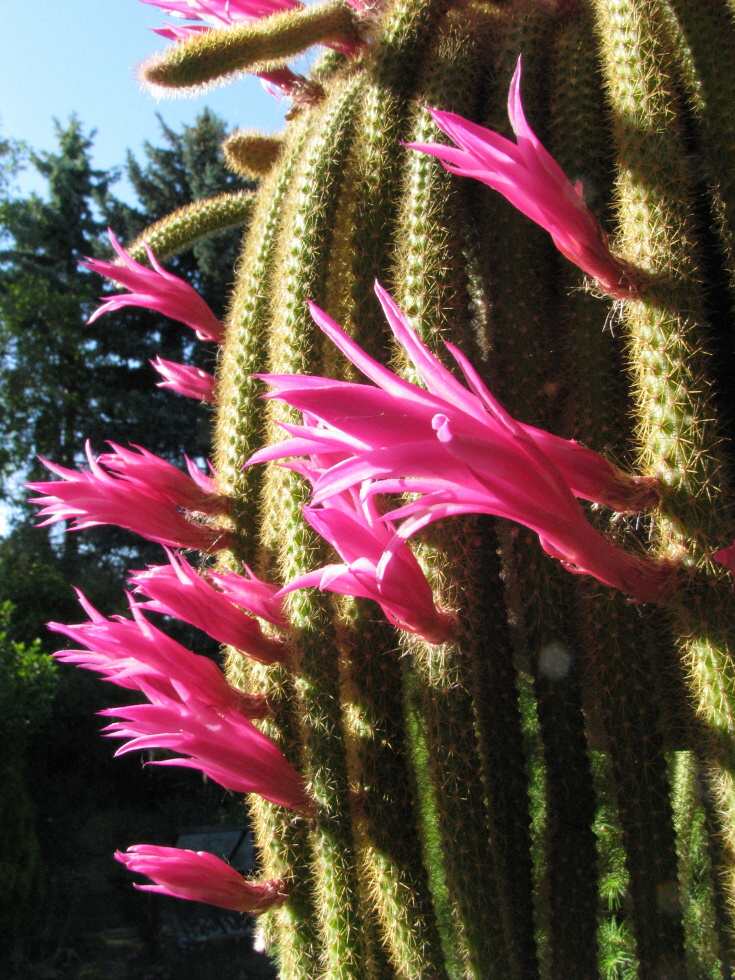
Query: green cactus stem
251, 154
214, 56
181, 229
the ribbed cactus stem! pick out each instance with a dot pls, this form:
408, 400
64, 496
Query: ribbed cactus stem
282, 844
407, 31
615, 940
622, 664
525, 366
435, 296
289, 546
700, 919
181, 229
215, 55
703, 37
240, 424
379, 772
251, 154
677, 431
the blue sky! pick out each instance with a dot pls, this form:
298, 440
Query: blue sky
64, 56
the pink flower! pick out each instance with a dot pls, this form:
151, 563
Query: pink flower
284, 83
185, 379
223, 744
527, 175
252, 593
133, 654
191, 710
177, 590
222, 13
371, 410
137, 491
392, 578
459, 450
200, 877
154, 289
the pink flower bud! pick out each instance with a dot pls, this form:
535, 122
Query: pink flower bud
200, 877
153, 288
185, 379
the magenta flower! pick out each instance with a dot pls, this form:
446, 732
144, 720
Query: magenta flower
177, 590
154, 289
136, 491
458, 450
221, 13
185, 379
588, 475
192, 709
200, 877
132, 653
528, 176
223, 744
369, 570
252, 593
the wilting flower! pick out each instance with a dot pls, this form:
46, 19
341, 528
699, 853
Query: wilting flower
177, 590
134, 654
368, 570
200, 877
528, 176
458, 450
191, 708
136, 491
185, 379
284, 83
154, 289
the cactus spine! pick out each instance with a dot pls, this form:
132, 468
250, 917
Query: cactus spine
552, 793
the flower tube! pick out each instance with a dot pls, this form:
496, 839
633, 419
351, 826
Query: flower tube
528, 176
200, 877
153, 288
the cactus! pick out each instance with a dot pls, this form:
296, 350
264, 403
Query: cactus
550, 791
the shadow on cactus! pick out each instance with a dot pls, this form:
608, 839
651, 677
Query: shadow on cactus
464, 761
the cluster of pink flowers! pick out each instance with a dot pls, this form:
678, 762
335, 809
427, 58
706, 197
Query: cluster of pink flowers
456, 450
450, 446
189, 708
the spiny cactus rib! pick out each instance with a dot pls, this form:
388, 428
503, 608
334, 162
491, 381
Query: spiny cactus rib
620, 666
182, 229
307, 223
251, 154
523, 332
214, 56
282, 845
677, 434
430, 290
703, 33
700, 917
